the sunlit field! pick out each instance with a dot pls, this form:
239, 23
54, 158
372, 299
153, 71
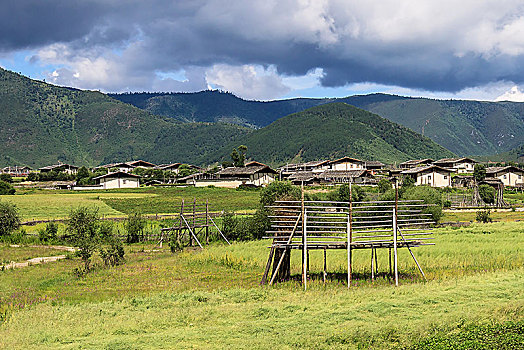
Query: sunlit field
211, 298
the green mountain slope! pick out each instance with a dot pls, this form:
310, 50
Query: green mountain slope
464, 127
41, 124
216, 106
335, 130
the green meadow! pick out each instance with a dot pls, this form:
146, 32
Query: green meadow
211, 298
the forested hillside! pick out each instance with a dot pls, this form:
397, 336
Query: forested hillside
335, 130
41, 124
464, 127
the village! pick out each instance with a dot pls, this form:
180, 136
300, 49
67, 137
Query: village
442, 173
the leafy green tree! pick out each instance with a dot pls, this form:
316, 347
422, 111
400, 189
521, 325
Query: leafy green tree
82, 228
384, 185
6, 188
430, 195
487, 193
239, 155
82, 173
279, 190
357, 193
6, 178
9, 218
135, 225
479, 172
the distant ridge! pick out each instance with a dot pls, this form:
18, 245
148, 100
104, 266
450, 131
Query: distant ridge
464, 127
334, 130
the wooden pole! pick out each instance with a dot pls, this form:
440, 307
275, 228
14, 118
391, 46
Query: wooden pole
372, 263
413, 256
207, 221
304, 243
284, 252
350, 233
390, 266
324, 275
376, 262
395, 258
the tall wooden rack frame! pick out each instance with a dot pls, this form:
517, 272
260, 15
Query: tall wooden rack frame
195, 224
323, 225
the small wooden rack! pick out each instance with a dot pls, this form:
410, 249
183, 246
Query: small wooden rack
195, 224
314, 225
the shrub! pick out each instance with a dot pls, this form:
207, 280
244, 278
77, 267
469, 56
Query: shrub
278, 190
6, 178
357, 193
135, 225
82, 228
430, 195
487, 194
113, 252
49, 233
6, 188
484, 216
384, 185
9, 218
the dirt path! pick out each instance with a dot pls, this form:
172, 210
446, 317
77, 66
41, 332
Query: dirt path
39, 260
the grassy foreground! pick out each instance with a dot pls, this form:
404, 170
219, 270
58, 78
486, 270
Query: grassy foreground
211, 298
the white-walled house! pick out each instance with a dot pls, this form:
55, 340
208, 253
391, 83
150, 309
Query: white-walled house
460, 165
118, 179
509, 175
431, 175
413, 163
345, 163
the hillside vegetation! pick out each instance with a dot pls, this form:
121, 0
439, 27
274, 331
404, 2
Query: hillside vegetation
464, 127
336, 130
41, 124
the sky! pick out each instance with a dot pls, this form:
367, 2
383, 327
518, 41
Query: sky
271, 49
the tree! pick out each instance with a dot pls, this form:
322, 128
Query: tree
384, 185
6, 188
239, 155
357, 193
479, 172
82, 173
487, 193
6, 178
9, 218
135, 225
430, 195
82, 228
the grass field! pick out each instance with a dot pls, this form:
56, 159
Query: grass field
211, 298
22, 253
49, 204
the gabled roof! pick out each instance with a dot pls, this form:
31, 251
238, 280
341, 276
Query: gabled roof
115, 165
142, 163
422, 169
51, 167
500, 169
374, 163
417, 161
311, 164
346, 159
248, 170
169, 166
303, 176
116, 174
252, 163
344, 173
453, 160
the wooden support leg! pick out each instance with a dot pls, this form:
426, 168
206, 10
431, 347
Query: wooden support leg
390, 265
372, 264
324, 275
376, 262
268, 266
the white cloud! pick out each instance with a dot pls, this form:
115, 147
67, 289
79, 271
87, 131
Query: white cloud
247, 81
514, 94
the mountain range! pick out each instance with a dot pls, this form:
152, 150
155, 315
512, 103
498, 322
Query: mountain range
41, 124
467, 128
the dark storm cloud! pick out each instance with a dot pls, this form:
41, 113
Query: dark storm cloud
409, 43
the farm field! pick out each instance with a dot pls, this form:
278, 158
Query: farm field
50, 204
211, 298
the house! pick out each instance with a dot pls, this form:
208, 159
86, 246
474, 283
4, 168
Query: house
251, 174
509, 175
460, 165
432, 175
118, 179
61, 168
141, 164
316, 166
16, 170
200, 179
410, 164
374, 166
305, 177
345, 163
123, 167
361, 177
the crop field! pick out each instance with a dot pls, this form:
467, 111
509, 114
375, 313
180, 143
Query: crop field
211, 299
49, 204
